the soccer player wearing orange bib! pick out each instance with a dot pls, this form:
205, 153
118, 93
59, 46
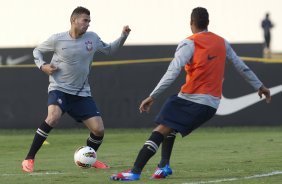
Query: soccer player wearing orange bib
203, 56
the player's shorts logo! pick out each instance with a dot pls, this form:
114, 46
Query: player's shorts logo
59, 101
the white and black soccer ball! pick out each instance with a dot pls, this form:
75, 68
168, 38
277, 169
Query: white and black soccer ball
85, 157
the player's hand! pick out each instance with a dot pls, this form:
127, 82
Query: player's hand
146, 104
49, 69
264, 91
126, 30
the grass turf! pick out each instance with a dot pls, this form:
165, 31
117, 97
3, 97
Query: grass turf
208, 155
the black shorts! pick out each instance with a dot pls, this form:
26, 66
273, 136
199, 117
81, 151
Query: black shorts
79, 108
183, 116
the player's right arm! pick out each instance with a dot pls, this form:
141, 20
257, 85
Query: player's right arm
48, 68
46, 46
182, 56
247, 73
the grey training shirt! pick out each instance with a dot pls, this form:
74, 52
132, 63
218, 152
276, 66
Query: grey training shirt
73, 58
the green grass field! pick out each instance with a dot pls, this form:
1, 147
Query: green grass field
209, 155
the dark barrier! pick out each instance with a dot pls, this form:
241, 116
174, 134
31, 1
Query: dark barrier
118, 89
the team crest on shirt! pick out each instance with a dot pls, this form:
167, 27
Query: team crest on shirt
89, 46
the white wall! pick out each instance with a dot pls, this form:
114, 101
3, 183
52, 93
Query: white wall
29, 22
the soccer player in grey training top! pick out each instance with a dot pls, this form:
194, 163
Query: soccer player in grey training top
69, 90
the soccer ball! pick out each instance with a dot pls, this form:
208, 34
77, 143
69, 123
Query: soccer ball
85, 157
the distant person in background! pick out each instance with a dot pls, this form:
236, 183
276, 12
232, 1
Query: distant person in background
203, 56
266, 25
69, 89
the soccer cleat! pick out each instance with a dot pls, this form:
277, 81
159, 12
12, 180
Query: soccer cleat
27, 165
125, 176
163, 172
100, 165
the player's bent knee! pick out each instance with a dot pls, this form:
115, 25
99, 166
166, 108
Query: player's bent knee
163, 129
98, 131
52, 120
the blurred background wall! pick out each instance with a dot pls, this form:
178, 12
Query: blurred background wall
157, 27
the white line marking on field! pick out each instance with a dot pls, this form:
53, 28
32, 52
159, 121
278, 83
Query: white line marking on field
236, 179
46, 173
34, 174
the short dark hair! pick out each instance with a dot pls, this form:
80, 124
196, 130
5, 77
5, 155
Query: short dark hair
80, 10
201, 17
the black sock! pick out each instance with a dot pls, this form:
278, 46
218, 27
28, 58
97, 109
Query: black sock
40, 136
149, 149
94, 141
167, 146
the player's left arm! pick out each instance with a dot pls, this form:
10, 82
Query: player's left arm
110, 49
